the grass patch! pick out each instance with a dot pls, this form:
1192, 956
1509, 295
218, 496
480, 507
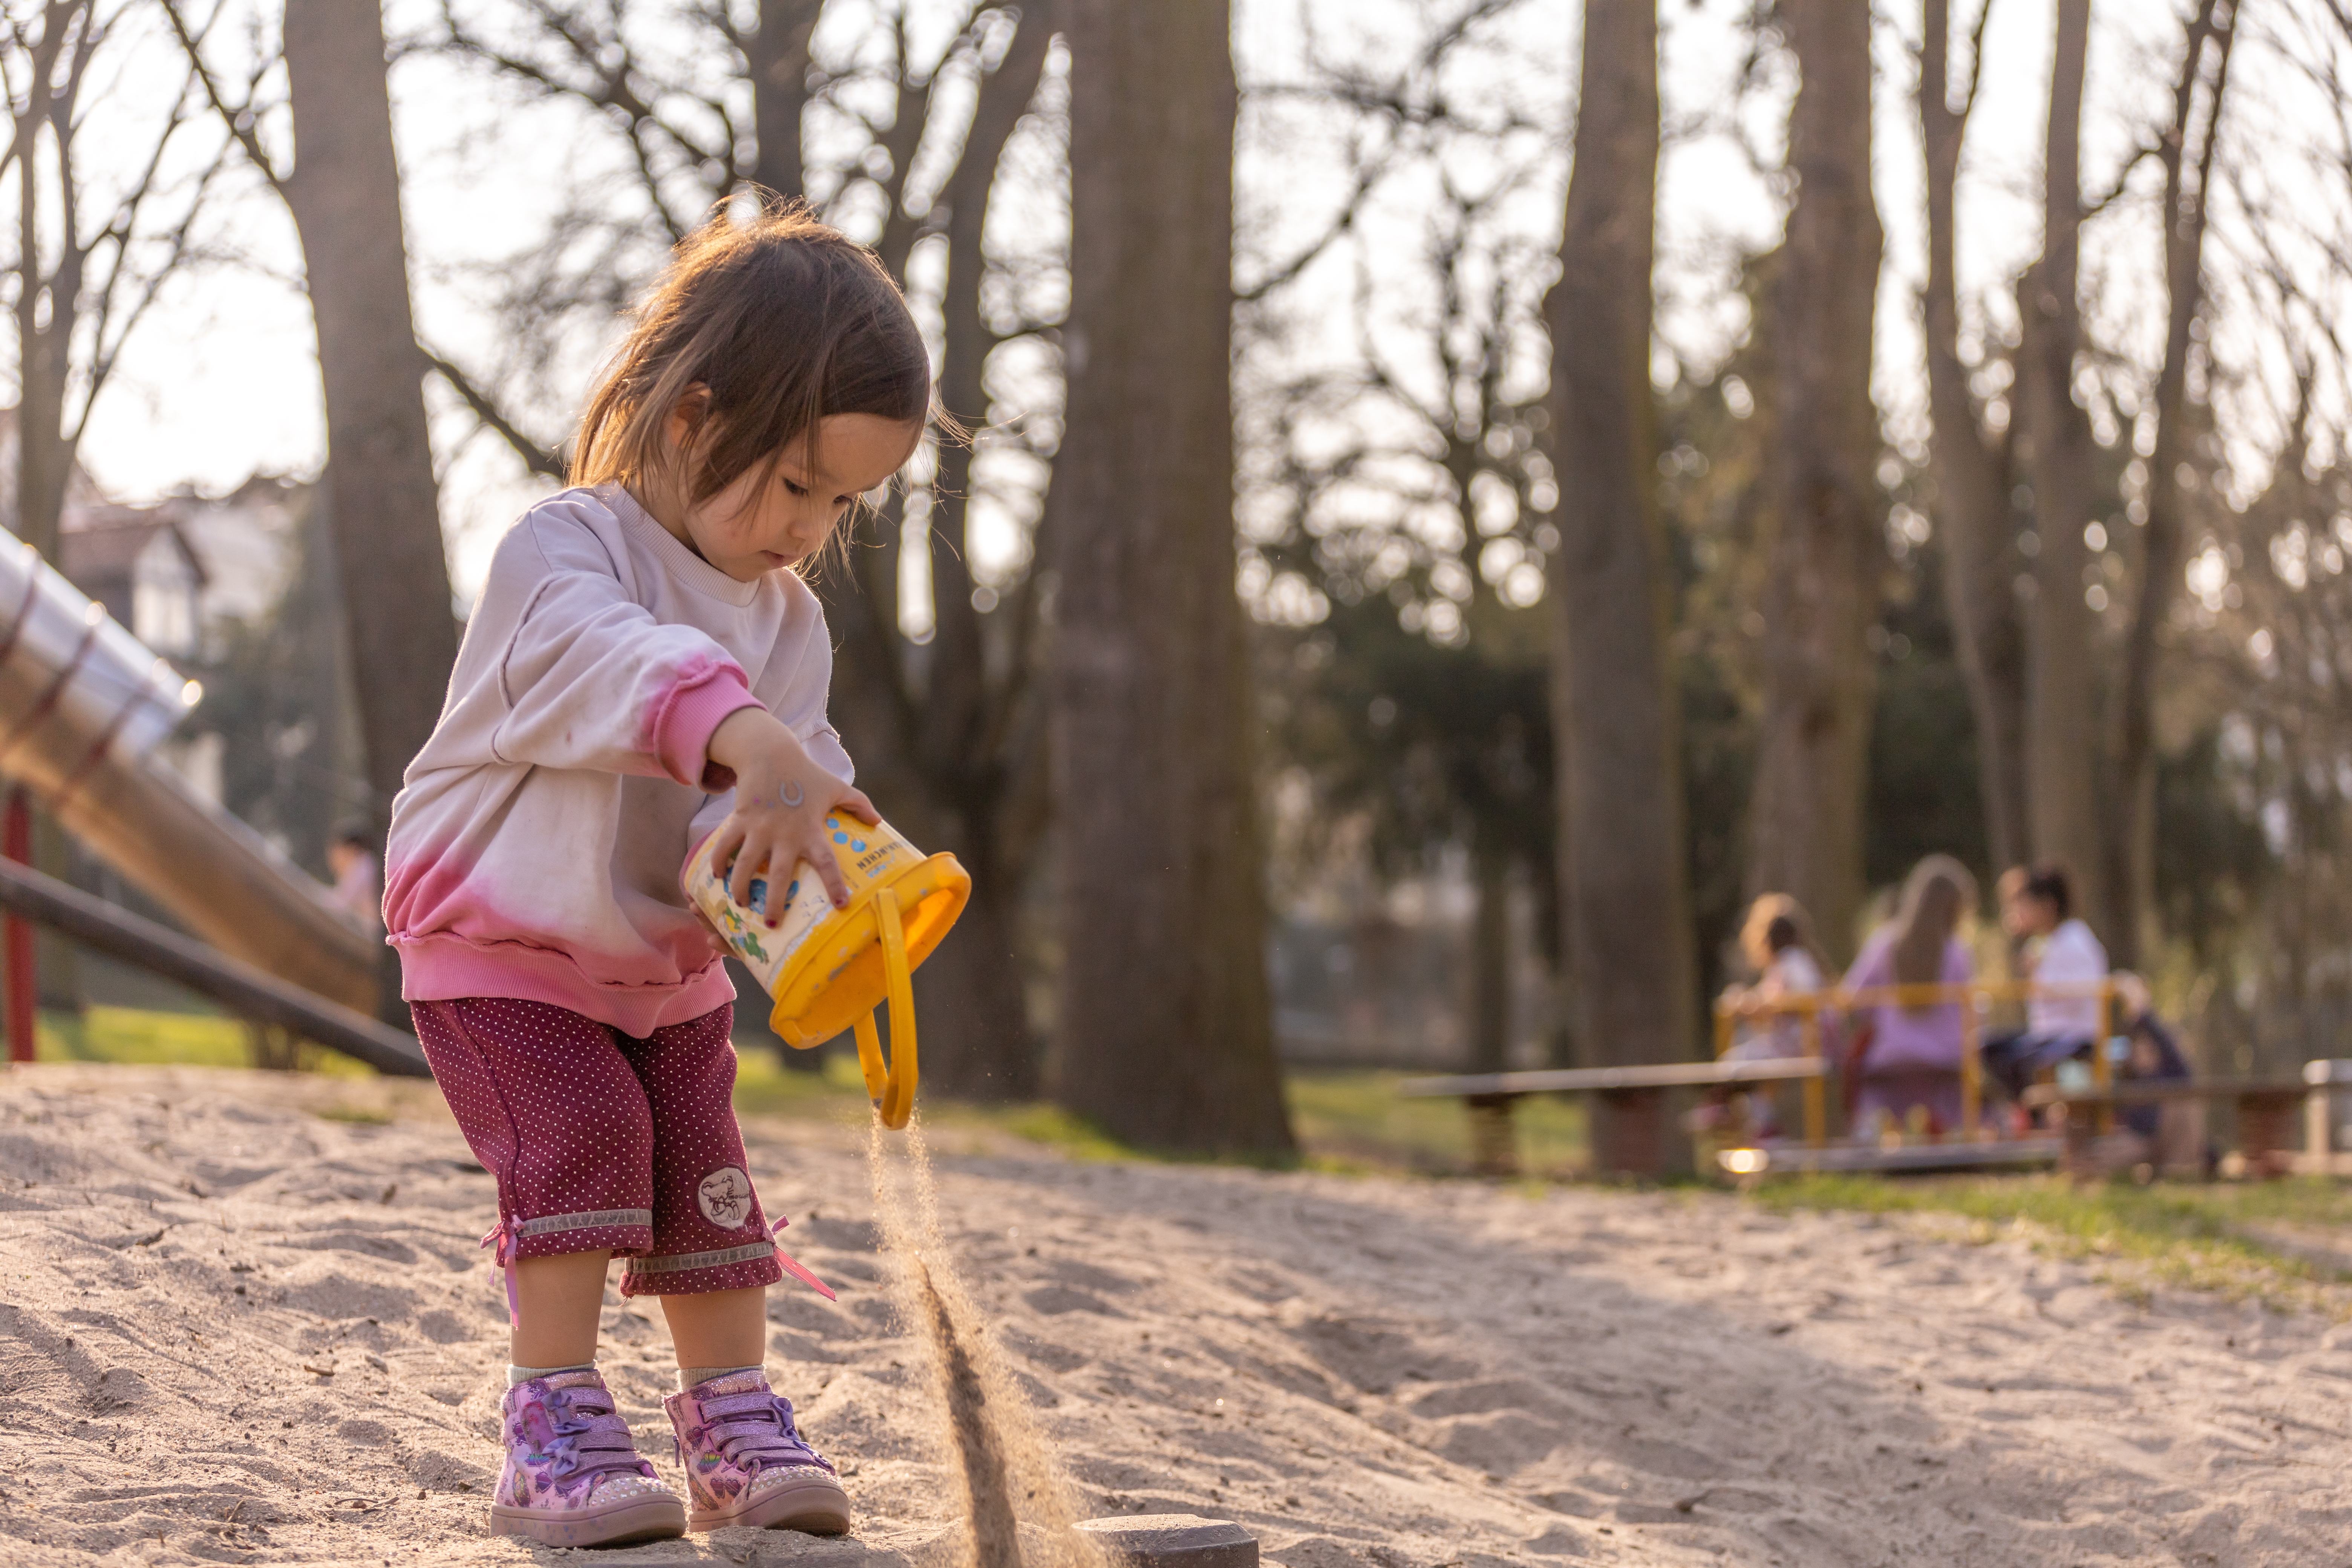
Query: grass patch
1345, 1121
141, 1037
1355, 1120
2221, 1237
765, 1087
1047, 1125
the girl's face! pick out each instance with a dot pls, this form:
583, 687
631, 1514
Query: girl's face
777, 516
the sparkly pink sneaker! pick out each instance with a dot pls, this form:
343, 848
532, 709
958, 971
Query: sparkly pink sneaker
572, 1477
746, 1462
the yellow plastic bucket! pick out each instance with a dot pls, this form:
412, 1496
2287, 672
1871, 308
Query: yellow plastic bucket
829, 969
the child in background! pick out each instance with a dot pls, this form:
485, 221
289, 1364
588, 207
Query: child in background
2059, 950
1777, 943
644, 668
359, 888
1912, 1064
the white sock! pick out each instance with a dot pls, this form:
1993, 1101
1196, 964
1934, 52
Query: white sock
516, 1374
693, 1376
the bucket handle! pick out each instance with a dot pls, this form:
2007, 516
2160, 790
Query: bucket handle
891, 1088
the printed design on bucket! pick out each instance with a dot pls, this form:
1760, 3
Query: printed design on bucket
567, 1447
766, 948
725, 1197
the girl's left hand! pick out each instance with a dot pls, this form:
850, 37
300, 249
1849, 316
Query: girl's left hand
781, 799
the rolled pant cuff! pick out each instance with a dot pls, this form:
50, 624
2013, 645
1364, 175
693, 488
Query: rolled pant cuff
600, 1230
693, 1273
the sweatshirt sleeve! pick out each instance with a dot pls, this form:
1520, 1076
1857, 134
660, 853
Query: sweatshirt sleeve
801, 708
588, 678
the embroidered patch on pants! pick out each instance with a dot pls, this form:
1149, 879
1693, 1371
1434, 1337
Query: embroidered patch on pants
725, 1197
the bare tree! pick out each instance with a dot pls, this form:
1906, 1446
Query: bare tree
93, 243
2187, 154
1164, 1034
1398, 493
1436, 626
1806, 837
778, 58
947, 730
1969, 463
1623, 878
952, 743
383, 500
90, 253
2061, 733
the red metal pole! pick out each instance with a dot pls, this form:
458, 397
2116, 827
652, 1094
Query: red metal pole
17, 933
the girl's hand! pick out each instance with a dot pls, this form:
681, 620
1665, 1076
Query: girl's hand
781, 799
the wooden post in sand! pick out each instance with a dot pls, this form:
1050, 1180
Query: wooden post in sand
16, 934
1971, 1063
1816, 1091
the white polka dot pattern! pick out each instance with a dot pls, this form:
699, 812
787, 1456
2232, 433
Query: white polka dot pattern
581, 1122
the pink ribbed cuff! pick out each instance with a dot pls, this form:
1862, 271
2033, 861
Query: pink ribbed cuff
445, 966
688, 714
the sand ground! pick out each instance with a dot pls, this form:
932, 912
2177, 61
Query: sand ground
232, 1329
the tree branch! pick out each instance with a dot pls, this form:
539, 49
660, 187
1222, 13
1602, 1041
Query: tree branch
536, 458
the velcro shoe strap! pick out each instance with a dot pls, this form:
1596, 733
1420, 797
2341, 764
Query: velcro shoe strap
757, 1401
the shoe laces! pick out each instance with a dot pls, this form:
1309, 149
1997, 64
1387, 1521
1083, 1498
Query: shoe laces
755, 1430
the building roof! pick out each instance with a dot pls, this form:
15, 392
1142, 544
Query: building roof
101, 545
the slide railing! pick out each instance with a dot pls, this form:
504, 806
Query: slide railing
82, 705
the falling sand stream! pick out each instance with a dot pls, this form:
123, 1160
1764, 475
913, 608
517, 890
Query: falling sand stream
1009, 1475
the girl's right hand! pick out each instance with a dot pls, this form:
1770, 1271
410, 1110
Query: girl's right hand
781, 799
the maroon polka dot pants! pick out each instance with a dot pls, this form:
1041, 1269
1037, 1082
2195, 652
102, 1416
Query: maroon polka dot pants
601, 1141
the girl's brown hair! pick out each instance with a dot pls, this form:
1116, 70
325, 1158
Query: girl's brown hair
784, 321
1938, 892
1775, 923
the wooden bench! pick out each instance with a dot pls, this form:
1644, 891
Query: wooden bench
1490, 1097
2266, 1109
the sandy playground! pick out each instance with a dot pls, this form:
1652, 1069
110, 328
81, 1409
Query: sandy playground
232, 1329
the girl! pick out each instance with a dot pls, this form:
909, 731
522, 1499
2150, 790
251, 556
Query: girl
1776, 943
1913, 1060
644, 668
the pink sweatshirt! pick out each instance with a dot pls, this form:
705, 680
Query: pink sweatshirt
535, 850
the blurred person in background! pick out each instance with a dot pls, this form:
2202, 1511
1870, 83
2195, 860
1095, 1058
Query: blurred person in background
359, 877
1904, 1068
2060, 952
1776, 940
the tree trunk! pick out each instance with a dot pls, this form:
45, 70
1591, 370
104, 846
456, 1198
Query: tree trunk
382, 496
1814, 750
1489, 969
1973, 519
45, 337
991, 1055
2132, 817
1164, 1033
941, 757
2061, 729
777, 57
46, 444
1632, 971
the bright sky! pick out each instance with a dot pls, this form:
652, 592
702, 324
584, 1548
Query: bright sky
220, 380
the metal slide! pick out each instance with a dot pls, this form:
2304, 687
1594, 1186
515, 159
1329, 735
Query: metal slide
82, 705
